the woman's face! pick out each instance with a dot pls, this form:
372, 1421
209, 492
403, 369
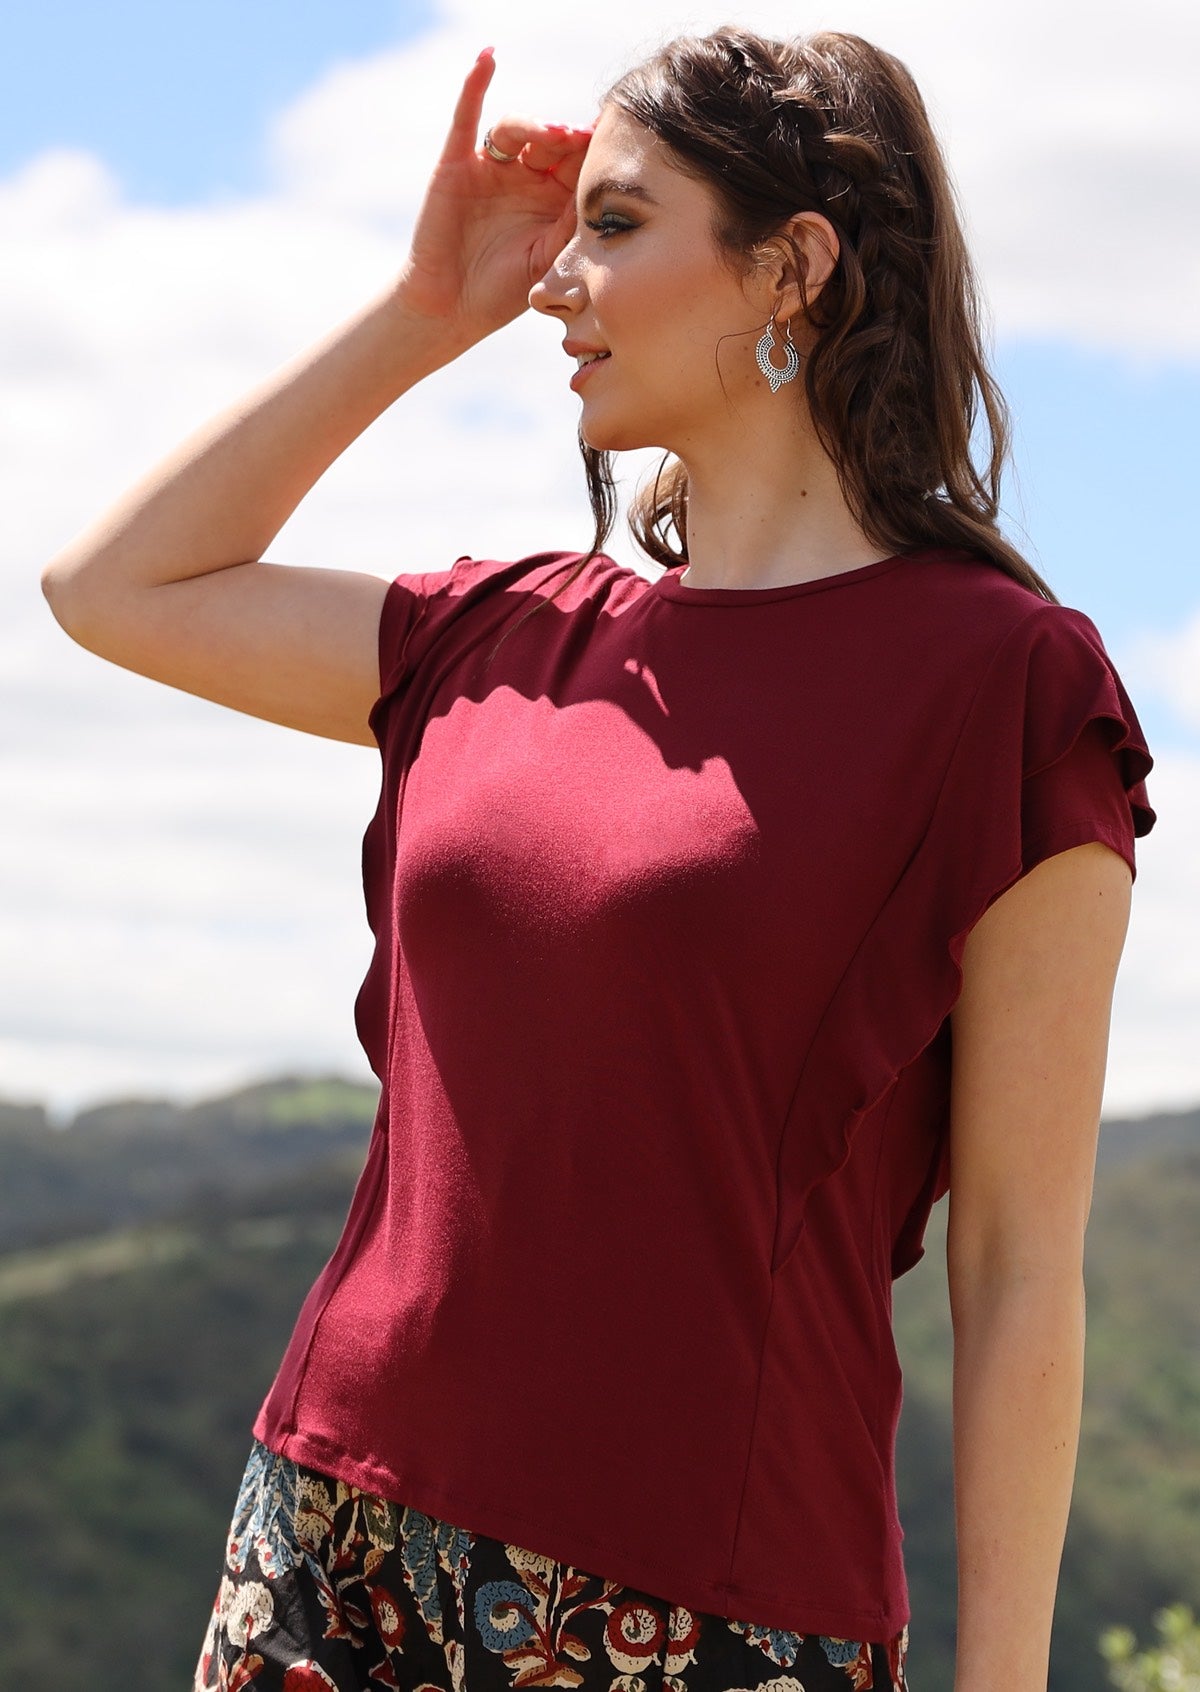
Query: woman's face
641, 280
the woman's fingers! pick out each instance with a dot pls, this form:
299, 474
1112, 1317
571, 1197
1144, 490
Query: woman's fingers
541, 147
570, 164
560, 150
538, 146
464, 125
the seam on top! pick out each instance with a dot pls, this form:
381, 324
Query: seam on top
865, 936
750, 1441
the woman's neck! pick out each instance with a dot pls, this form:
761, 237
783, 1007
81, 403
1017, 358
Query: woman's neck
769, 514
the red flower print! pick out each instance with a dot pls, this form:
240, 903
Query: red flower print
307, 1677
683, 1634
634, 1633
389, 1621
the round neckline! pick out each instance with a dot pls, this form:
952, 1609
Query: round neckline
670, 586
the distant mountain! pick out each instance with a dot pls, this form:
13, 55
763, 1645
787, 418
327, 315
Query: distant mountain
1125, 1138
134, 1159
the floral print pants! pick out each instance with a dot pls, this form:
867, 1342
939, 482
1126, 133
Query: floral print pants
326, 1586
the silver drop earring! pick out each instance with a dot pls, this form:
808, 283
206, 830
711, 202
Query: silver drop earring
766, 347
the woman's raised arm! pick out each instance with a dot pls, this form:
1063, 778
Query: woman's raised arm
169, 582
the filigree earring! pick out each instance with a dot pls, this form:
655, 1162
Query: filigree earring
766, 347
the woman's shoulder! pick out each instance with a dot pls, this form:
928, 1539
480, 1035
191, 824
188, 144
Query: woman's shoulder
969, 600
542, 573
424, 610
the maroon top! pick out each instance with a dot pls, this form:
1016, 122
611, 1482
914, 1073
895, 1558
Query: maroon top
669, 903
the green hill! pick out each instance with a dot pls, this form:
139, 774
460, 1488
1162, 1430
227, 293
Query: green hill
140, 1158
153, 1260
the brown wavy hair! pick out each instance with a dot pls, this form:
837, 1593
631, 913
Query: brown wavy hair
897, 382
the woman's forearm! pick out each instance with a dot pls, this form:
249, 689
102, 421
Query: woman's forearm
222, 496
1018, 1391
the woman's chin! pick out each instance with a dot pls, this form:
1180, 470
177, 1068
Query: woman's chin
608, 435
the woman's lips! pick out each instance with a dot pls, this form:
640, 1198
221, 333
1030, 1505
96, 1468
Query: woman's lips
585, 370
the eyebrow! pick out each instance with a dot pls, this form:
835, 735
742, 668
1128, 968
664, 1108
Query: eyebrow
614, 185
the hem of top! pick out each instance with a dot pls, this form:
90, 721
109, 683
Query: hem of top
669, 585
492, 1521
1082, 831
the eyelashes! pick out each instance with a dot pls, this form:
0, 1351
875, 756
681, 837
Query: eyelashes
608, 225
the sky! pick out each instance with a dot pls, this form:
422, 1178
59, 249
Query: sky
192, 194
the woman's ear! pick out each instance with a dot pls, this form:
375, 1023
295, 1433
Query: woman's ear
817, 248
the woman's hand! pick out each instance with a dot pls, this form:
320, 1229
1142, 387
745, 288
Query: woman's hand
486, 232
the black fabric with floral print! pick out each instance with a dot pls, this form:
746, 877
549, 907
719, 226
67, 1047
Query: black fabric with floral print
328, 1586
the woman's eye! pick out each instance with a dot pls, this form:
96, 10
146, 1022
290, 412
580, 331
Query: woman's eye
608, 225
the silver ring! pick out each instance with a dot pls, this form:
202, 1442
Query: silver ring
494, 152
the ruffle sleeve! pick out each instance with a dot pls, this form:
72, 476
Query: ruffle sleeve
1050, 755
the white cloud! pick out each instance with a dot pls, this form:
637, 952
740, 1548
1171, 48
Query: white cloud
182, 884
1169, 665
1156, 1009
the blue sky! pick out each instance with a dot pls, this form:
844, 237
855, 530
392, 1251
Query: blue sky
174, 95
1104, 453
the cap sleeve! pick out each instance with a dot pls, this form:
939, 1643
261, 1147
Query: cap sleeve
1050, 755
419, 610
405, 610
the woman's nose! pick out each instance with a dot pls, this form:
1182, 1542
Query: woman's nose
559, 292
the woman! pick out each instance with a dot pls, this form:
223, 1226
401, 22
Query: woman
716, 918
